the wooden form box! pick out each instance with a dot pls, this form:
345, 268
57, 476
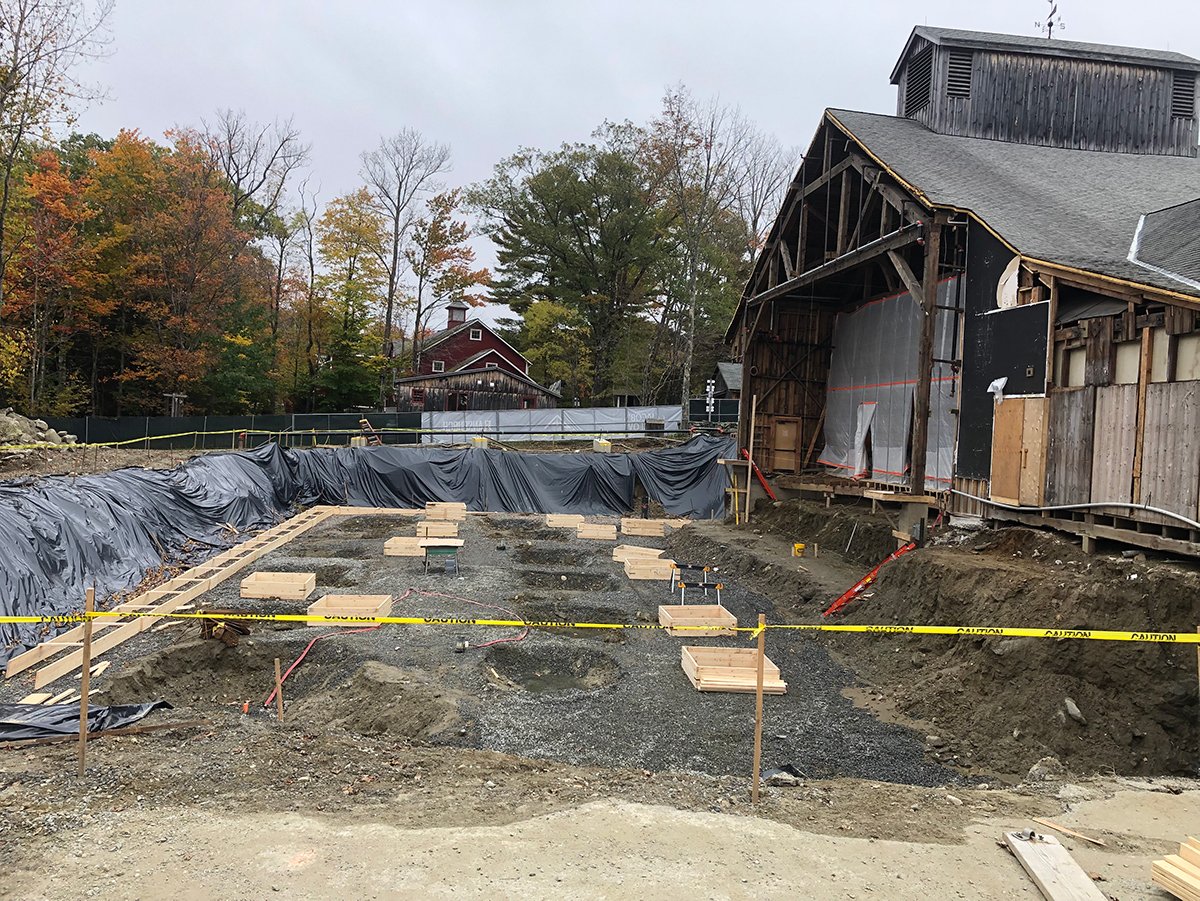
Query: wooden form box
596, 531
623, 553
402, 546
285, 586
455, 512
649, 569
352, 605
437, 529
650, 528
564, 520
703, 620
730, 669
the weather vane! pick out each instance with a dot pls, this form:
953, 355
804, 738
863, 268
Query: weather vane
1053, 21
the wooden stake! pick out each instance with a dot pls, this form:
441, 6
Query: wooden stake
750, 455
89, 605
758, 707
278, 691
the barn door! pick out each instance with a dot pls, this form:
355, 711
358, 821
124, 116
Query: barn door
1008, 423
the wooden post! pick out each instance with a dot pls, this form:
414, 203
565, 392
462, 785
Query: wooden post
750, 454
1147, 349
758, 707
278, 691
929, 283
85, 681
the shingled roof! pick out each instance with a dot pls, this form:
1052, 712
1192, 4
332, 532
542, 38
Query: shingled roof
1076, 208
1169, 241
1013, 43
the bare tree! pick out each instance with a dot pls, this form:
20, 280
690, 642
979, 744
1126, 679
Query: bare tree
700, 148
41, 44
306, 220
767, 168
257, 160
403, 170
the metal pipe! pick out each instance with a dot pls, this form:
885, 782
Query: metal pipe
1088, 506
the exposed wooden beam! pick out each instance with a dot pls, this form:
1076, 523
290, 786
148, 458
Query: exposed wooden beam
907, 207
906, 275
920, 438
786, 258
897, 239
843, 224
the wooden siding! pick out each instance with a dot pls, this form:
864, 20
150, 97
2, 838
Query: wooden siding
1033, 452
1115, 444
1059, 102
1171, 456
1069, 459
1008, 424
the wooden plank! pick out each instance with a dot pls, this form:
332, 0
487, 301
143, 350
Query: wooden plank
1143, 384
1115, 439
38, 697
286, 586
1033, 452
440, 542
1052, 868
403, 546
1050, 824
1008, 421
1171, 448
1071, 439
597, 532
649, 528
1175, 880
624, 552
61, 696
437, 530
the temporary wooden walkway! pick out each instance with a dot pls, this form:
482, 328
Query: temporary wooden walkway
65, 652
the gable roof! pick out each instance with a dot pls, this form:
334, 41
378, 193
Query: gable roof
441, 376
466, 364
1019, 43
1168, 241
445, 333
731, 375
1076, 208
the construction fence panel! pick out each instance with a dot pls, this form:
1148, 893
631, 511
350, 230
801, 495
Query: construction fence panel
577, 423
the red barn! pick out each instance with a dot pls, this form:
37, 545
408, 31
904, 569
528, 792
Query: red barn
467, 366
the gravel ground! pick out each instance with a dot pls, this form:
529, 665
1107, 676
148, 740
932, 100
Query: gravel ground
577, 696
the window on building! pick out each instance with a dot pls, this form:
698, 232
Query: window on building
417, 395
439, 365
476, 334
958, 78
489, 365
1183, 95
918, 81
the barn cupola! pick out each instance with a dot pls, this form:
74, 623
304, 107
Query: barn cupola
1054, 93
456, 314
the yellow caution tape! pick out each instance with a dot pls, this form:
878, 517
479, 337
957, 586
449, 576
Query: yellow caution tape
967, 631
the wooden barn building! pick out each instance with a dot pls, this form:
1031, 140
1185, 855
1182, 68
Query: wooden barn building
467, 366
993, 293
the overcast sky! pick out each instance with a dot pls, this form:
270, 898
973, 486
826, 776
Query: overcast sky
490, 76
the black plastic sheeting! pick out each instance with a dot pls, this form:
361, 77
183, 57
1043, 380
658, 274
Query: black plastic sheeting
20, 721
60, 534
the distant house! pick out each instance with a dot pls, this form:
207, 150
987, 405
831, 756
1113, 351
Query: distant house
729, 381
467, 366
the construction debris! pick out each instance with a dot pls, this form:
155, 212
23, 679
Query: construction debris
1051, 867
1179, 873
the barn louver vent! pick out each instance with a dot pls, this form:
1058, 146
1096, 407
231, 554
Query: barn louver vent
1183, 95
958, 82
919, 82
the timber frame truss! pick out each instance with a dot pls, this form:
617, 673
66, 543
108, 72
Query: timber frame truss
848, 232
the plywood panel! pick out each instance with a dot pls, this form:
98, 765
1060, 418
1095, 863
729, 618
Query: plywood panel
787, 437
1114, 443
1033, 451
1171, 455
1069, 448
1008, 422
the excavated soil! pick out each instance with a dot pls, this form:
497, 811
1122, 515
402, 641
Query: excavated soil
834, 529
998, 703
550, 668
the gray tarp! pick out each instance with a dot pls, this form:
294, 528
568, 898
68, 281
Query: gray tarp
60, 534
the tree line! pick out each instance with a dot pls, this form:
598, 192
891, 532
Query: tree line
205, 264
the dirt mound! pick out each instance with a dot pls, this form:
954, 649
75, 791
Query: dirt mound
380, 699
1098, 706
198, 672
550, 667
868, 535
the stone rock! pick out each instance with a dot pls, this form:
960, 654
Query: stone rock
1048, 769
40, 425
1074, 712
69, 439
780, 777
934, 741
957, 802
52, 437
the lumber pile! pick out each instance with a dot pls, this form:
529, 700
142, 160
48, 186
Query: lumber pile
454, 512
649, 528
730, 669
698, 621
365, 605
284, 586
649, 569
596, 531
437, 529
403, 546
563, 520
1179, 873
623, 553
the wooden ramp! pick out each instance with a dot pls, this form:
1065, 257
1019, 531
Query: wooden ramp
1052, 867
